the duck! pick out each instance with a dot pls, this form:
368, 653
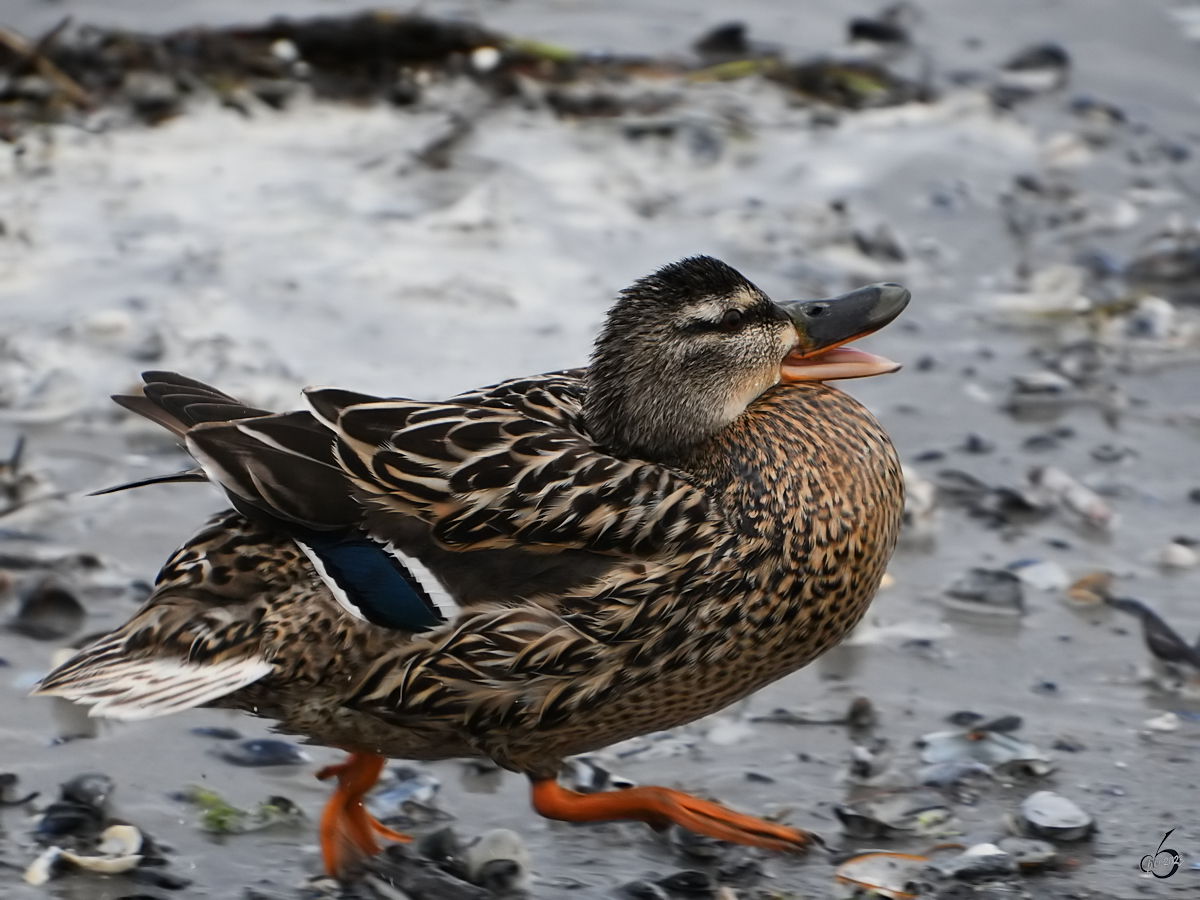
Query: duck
532, 570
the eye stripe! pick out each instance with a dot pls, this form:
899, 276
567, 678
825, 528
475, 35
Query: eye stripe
751, 315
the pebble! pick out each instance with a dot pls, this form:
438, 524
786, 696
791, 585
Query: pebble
1050, 815
8, 790
644, 890
91, 789
1175, 555
499, 862
586, 775
1029, 854
484, 59
689, 881
987, 591
64, 817
977, 862
1111, 453
964, 718
1041, 575
402, 784
220, 734
48, 612
977, 443
948, 774
877, 31
1168, 721
263, 752
1040, 442
728, 730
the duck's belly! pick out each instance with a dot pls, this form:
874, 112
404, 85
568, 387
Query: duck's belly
754, 656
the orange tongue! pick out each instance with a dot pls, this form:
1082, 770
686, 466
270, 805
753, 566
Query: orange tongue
840, 362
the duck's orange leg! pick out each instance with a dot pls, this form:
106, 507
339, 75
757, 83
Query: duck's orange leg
659, 807
347, 829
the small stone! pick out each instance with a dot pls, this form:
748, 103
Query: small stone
1176, 556
499, 862
644, 890
285, 51
978, 862
1111, 453
877, 31
1053, 816
484, 59
1168, 721
92, 789
1029, 854
725, 41
689, 881
1040, 442
977, 443
1068, 745
48, 612
964, 718
220, 734
992, 591
264, 752
1042, 575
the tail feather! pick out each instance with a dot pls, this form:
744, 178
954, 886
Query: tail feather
118, 685
147, 408
278, 467
174, 478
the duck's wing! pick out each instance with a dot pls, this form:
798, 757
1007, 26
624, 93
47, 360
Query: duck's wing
492, 476
410, 510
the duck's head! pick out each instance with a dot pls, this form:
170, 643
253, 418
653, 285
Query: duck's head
687, 349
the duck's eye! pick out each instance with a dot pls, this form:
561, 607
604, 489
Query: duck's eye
732, 320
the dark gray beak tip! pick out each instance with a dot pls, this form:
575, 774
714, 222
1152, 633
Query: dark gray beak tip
825, 323
892, 300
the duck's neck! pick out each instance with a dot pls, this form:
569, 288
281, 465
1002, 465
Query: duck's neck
805, 461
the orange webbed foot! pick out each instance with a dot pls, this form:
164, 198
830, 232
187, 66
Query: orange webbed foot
347, 829
660, 807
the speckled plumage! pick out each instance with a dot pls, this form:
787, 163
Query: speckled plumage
802, 503
602, 596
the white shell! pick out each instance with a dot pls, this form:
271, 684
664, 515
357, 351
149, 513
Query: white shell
41, 869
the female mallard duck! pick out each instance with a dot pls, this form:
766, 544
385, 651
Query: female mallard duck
535, 569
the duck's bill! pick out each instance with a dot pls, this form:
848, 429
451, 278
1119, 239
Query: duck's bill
823, 327
841, 362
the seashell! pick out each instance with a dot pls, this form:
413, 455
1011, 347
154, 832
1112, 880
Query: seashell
892, 875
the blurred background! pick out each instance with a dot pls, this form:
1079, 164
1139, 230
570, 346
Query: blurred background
420, 200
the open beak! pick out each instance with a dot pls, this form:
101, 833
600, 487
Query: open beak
823, 326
